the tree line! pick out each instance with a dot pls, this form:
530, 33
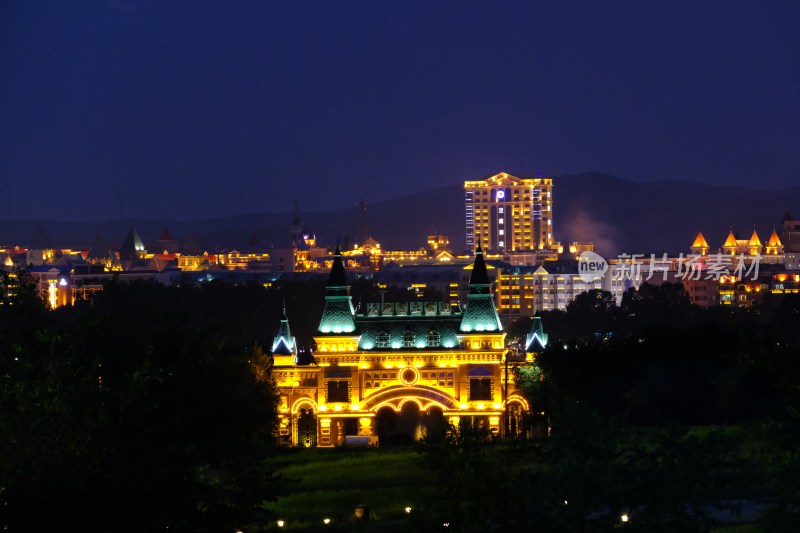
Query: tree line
147, 408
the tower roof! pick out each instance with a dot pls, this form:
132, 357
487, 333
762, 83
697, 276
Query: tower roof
700, 241
754, 240
730, 241
132, 245
165, 235
284, 343
99, 250
41, 241
337, 278
337, 317
536, 340
774, 240
479, 274
480, 313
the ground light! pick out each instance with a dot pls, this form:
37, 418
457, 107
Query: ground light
326, 521
408, 510
281, 523
624, 518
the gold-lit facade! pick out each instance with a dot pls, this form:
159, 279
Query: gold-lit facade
397, 368
505, 213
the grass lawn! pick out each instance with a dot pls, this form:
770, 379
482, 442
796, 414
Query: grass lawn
331, 482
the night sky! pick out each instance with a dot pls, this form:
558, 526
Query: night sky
187, 110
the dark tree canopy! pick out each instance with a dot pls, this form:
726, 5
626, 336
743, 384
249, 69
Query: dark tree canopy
135, 412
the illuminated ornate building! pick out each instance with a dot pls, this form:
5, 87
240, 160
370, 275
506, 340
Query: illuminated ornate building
509, 214
396, 368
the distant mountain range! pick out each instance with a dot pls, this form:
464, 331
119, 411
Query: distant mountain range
618, 215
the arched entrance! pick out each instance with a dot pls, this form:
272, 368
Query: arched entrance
408, 429
399, 428
385, 422
433, 422
306, 428
521, 422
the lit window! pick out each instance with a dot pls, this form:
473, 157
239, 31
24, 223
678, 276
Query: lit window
382, 340
480, 389
434, 339
408, 340
338, 391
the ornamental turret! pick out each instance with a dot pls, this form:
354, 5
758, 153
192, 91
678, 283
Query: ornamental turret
536, 340
700, 245
774, 245
480, 313
338, 314
284, 343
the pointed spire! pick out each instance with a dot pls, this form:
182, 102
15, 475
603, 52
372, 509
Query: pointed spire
700, 245
774, 240
41, 241
754, 240
284, 343
479, 274
536, 340
730, 242
700, 241
480, 313
337, 278
99, 250
132, 247
337, 316
774, 245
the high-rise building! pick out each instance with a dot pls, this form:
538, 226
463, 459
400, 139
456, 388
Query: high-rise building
505, 213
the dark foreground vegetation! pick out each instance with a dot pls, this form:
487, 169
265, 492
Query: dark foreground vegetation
135, 412
152, 407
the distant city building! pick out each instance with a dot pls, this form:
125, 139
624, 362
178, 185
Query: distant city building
709, 275
524, 291
505, 213
790, 233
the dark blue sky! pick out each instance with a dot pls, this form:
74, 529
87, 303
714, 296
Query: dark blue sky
195, 109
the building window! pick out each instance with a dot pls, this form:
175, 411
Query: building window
480, 389
434, 339
382, 340
408, 340
338, 391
